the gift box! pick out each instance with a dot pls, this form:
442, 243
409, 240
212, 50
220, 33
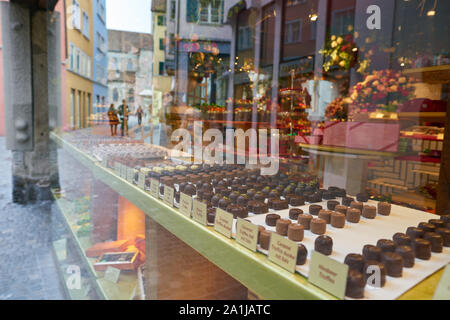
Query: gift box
110, 246
119, 260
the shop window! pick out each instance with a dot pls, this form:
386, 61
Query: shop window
293, 31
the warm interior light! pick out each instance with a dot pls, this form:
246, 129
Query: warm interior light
313, 17
431, 13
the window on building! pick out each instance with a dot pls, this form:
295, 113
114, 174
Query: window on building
86, 28
101, 43
161, 68
172, 44
341, 20
245, 38
115, 95
173, 9
76, 15
161, 44
71, 56
210, 11
161, 20
293, 31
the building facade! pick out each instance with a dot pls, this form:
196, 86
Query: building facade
100, 57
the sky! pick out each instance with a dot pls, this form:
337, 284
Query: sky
129, 15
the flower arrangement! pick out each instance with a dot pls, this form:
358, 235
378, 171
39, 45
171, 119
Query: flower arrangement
340, 52
380, 88
337, 110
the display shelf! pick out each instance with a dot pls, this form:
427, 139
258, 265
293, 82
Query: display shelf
343, 150
434, 74
105, 289
425, 116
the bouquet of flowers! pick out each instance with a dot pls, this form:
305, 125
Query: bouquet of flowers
339, 52
337, 110
380, 88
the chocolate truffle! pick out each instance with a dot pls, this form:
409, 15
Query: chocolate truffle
251, 193
211, 215
332, 204
401, 239
407, 254
294, 213
259, 196
314, 209
353, 215
324, 245
271, 219
260, 229
190, 190
305, 220
369, 212
422, 248
341, 209
384, 208
338, 220
302, 255
436, 241
224, 203
437, 223
445, 234
371, 252
264, 239
372, 277
280, 204
242, 200
393, 263
237, 211
325, 215
328, 195
386, 245
426, 227
257, 207
414, 232
346, 201
296, 201
295, 232
282, 226
355, 285
362, 197
318, 226
355, 261
314, 198
215, 200
233, 196
357, 205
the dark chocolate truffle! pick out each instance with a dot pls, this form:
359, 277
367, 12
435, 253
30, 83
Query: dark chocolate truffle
224, 203
305, 220
355, 285
324, 245
422, 248
242, 200
357, 205
302, 255
325, 215
407, 254
337, 220
327, 195
401, 239
341, 209
260, 229
237, 211
295, 232
257, 207
271, 219
282, 226
437, 223
318, 226
369, 212
445, 234
362, 197
264, 239
374, 273
386, 245
371, 252
314, 209
353, 215
436, 241
384, 208
346, 201
280, 205
414, 232
355, 261
296, 201
190, 190
294, 213
314, 198
393, 263
332, 204
426, 227
211, 215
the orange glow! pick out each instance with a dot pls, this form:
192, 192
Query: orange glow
130, 221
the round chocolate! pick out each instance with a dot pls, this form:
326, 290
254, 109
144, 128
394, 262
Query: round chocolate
302, 255
357, 205
242, 200
328, 195
295, 232
259, 196
324, 245
296, 201
346, 201
257, 207
437, 223
407, 254
341, 209
445, 234
280, 204
305, 220
325, 215
371, 252
211, 215
422, 248
233, 196
260, 229
384, 208
331, 205
436, 241
414, 232
355, 261
401, 239
426, 227
271, 219
337, 220
206, 195
355, 285
369, 212
314, 198
374, 273
386, 245
294, 213
393, 263
224, 203
251, 193
318, 226
264, 239
362, 197
314, 209
190, 190
353, 215
237, 211
282, 226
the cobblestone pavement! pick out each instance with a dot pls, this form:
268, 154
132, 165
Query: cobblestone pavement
27, 268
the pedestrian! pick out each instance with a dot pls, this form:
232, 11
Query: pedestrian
139, 113
113, 119
123, 113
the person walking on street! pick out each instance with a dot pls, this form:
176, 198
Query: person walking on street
123, 113
113, 119
139, 113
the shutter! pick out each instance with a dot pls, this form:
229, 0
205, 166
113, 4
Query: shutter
192, 10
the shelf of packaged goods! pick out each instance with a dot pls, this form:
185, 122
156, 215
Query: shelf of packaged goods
349, 151
253, 270
105, 289
435, 74
424, 116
